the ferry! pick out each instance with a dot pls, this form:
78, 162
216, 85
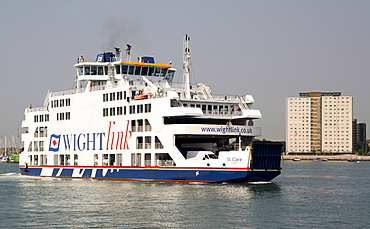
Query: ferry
128, 121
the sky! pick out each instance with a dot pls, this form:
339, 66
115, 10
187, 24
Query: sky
269, 49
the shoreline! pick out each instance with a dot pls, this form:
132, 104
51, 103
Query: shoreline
344, 157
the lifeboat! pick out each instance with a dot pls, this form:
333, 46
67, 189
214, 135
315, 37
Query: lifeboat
142, 96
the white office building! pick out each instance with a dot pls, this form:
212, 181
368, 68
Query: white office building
319, 122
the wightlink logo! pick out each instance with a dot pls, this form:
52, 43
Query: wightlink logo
111, 140
225, 130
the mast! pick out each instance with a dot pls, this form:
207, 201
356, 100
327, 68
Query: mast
186, 67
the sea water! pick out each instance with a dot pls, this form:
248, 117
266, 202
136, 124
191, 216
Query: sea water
306, 195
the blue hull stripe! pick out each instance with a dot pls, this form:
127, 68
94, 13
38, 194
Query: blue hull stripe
142, 174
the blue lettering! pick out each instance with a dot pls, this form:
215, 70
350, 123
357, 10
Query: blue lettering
67, 143
92, 141
101, 140
79, 142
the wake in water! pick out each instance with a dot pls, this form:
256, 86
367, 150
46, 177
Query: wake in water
10, 174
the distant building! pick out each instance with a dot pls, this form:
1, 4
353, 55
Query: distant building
319, 122
359, 131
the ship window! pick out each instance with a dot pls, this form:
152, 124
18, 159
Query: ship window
140, 108
124, 95
209, 109
170, 75
87, 70
148, 108
36, 160
93, 70
151, 71
75, 159
158, 143
112, 111
112, 96
105, 97
31, 162
174, 103
61, 116
148, 142
147, 159
157, 72
139, 143
96, 161
55, 159
105, 112
133, 126
41, 118
119, 110
163, 159
36, 146
124, 110
204, 109
68, 102
137, 70
221, 109
105, 70
36, 134
164, 71
80, 71
144, 71
56, 103
30, 147
140, 125
135, 159
131, 70
192, 105
36, 118
105, 160
118, 69
132, 109
100, 70
67, 159
61, 103
41, 145
61, 159
42, 132
119, 95
42, 159
119, 159
215, 110
68, 115
148, 127
112, 159
124, 69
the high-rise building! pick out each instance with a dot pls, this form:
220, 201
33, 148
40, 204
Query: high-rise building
319, 122
359, 131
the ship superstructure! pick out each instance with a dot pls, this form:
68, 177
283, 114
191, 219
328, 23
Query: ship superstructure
128, 120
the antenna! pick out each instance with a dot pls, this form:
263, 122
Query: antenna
128, 52
186, 67
118, 53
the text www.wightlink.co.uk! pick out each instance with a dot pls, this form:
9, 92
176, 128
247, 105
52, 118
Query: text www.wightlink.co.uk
225, 130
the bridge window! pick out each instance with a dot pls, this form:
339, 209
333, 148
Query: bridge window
144, 71
100, 70
124, 69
